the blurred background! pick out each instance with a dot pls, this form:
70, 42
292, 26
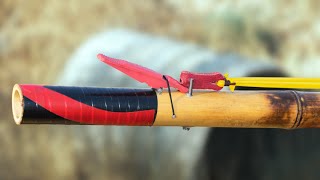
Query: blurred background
38, 38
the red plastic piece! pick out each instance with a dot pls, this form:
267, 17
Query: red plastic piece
155, 79
142, 74
73, 110
201, 80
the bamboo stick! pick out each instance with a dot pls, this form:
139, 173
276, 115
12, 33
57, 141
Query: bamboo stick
240, 109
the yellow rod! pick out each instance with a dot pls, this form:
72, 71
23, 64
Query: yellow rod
274, 79
296, 83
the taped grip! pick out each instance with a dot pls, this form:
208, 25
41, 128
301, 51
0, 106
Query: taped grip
36, 104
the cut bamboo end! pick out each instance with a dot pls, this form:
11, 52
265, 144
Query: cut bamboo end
17, 104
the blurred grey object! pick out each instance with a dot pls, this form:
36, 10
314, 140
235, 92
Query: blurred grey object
145, 152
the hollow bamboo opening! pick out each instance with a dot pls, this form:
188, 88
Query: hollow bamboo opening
17, 104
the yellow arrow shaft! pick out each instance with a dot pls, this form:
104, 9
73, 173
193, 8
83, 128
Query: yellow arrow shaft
275, 79
295, 83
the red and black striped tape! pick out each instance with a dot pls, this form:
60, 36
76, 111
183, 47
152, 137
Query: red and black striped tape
88, 105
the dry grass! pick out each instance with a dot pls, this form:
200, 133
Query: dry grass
41, 35
36, 37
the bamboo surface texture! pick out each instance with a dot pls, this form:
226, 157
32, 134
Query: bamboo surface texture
242, 109
286, 109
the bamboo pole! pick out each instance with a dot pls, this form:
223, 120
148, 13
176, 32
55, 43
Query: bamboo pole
240, 109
